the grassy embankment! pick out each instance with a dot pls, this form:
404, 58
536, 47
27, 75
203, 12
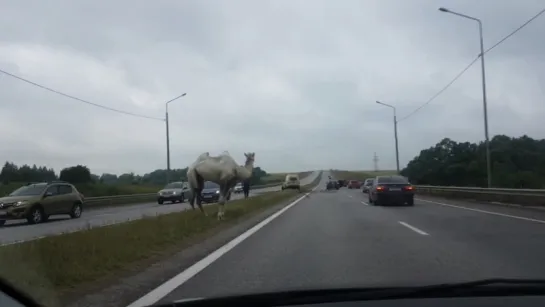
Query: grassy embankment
59, 266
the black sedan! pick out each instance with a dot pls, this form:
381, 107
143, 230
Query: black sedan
391, 190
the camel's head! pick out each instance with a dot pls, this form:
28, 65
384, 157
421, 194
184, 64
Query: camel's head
250, 157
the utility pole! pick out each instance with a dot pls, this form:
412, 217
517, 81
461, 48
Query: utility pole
168, 135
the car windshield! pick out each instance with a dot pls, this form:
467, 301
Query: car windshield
149, 107
174, 185
392, 179
29, 190
211, 185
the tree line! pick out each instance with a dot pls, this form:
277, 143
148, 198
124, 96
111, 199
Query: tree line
81, 174
515, 162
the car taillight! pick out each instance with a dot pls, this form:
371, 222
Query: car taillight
381, 188
409, 188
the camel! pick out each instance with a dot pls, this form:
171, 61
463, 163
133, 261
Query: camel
222, 170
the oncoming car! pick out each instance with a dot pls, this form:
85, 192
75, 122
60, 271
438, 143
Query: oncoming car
391, 190
173, 192
238, 188
36, 202
211, 192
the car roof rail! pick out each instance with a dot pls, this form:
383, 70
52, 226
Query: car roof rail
33, 182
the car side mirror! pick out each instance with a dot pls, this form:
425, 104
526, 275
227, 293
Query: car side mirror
48, 194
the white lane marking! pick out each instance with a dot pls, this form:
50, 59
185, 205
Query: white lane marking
414, 228
163, 290
365, 203
350, 196
484, 211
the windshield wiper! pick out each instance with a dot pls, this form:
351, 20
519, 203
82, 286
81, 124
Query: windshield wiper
485, 287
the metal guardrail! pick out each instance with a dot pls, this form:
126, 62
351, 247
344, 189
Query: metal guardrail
476, 190
526, 197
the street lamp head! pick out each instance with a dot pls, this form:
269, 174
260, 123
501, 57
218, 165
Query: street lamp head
184, 94
442, 9
378, 102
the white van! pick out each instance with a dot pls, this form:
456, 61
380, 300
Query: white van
291, 182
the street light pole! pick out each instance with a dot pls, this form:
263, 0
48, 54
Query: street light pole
485, 107
168, 136
395, 132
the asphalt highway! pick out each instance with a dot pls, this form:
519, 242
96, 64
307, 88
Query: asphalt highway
335, 239
19, 231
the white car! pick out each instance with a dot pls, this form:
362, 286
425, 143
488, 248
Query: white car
238, 188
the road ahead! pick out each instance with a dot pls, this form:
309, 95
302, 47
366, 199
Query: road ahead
17, 231
334, 239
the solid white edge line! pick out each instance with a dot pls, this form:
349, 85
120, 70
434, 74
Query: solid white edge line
414, 228
164, 289
484, 211
365, 203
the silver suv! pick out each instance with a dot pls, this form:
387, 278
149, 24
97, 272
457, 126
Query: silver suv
173, 192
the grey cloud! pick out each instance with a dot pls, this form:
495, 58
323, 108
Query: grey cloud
294, 81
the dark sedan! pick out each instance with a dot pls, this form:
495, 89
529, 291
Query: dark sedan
391, 190
211, 192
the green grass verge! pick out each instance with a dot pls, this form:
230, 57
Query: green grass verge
55, 266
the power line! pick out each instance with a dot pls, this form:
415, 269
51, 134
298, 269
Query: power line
441, 91
471, 64
516, 30
79, 99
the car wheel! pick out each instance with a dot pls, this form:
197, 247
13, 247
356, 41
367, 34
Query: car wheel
410, 202
160, 201
35, 216
76, 211
2, 222
182, 198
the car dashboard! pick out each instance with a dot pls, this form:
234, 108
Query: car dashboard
498, 301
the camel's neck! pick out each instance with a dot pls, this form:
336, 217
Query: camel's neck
245, 172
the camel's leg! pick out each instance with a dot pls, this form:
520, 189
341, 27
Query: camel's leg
192, 199
199, 203
198, 193
221, 204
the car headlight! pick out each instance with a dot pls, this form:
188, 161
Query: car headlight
217, 192
20, 203
173, 193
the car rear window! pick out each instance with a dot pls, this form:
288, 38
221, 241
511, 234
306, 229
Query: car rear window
292, 178
392, 179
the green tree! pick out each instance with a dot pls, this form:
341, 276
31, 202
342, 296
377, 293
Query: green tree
76, 174
516, 163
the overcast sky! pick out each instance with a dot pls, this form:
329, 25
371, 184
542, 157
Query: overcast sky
293, 81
